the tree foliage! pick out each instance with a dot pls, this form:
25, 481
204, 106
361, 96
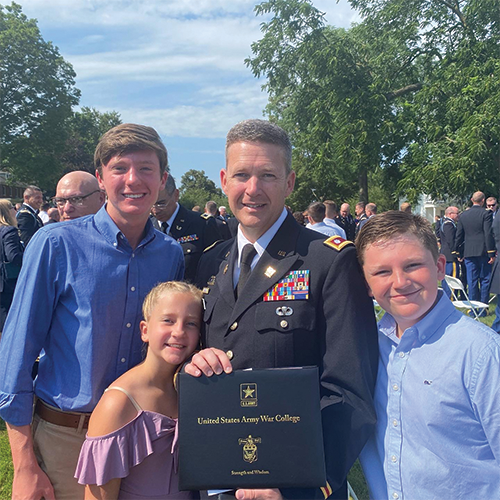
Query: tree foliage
37, 92
196, 189
85, 128
407, 99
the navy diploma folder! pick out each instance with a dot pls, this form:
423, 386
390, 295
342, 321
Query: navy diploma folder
251, 429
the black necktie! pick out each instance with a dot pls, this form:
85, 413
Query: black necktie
164, 227
247, 256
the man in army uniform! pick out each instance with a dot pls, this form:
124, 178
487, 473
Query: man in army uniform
192, 231
447, 232
211, 212
279, 295
28, 222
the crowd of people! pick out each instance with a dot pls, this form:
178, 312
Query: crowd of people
129, 266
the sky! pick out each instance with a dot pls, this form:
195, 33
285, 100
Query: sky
175, 65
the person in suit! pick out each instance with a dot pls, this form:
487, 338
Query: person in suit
11, 253
280, 295
192, 231
495, 275
211, 212
447, 233
475, 244
346, 221
28, 222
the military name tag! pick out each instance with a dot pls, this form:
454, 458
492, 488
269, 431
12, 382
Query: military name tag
186, 239
295, 286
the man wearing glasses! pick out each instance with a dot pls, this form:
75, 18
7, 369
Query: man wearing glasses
78, 194
491, 204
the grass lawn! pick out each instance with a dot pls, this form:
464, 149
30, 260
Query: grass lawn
356, 478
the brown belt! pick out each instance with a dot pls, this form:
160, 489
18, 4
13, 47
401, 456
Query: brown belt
64, 418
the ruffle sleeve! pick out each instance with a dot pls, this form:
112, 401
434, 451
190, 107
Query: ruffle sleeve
113, 455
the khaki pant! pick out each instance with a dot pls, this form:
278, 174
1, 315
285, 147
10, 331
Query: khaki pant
57, 449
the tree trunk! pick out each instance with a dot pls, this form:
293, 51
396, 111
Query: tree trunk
363, 185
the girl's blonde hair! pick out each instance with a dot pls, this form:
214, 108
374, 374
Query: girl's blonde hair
164, 288
6, 217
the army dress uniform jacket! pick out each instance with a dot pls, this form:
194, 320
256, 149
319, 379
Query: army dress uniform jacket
447, 233
474, 236
333, 328
495, 274
28, 223
194, 233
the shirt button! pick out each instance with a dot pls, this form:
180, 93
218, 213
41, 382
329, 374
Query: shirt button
129, 325
133, 255
230, 354
395, 495
234, 326
395, 387
115, 244
401, 354
395, 423
394, 458
132, 288
123, 360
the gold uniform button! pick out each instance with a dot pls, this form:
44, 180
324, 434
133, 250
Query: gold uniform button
284, 324
230, 354
234, 326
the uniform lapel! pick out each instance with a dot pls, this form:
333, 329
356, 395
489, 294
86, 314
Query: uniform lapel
276, 261
225, 276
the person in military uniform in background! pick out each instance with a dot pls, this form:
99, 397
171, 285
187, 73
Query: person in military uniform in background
346, 221
28, 222
447, 233
211, 211
280, 295
189, 228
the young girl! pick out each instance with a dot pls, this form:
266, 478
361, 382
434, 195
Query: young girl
129, 450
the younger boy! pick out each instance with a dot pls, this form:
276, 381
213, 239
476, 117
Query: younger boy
436, 397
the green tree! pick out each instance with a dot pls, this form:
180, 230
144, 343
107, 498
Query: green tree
196, 189
37, 92
84, 131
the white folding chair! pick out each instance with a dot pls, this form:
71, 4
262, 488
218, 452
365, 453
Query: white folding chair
379, 312
475, 306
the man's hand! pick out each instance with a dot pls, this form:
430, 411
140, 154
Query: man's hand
492, 259
31, 483
273, 494
209, 361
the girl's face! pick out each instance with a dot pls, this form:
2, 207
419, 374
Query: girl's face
173, 329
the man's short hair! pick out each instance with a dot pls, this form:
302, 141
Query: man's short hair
392, 224
449, 210
128, 138
316, 211
361, 204
30, 191
211, 207
371, 207
331, 208
262, 131
478, 197
170, 185
491, 200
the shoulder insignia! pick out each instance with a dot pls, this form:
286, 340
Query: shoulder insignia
205, 216
24, 211
337, 243
212, 245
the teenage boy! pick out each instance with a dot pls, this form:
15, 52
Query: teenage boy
436, 396
78, 302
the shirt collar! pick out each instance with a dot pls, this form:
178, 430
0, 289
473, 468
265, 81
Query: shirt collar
172, 218
110, 231
30, 207
426, 327
261, 244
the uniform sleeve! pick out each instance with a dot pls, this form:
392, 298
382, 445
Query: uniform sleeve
448, 233
211, 233
458, 249
25, 226
488, 234
26, 328
13, 250
350, 363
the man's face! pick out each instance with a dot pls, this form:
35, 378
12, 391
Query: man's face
491, 205
223, 212
345, 210
358, 209
132, 183
256, 184
71, 205
165, 205
402, 277
35, 200
454, 213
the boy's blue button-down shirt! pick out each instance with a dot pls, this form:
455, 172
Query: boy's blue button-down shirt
78, 301
437, 399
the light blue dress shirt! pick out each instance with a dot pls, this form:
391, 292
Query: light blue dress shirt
78, 301
437, 400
